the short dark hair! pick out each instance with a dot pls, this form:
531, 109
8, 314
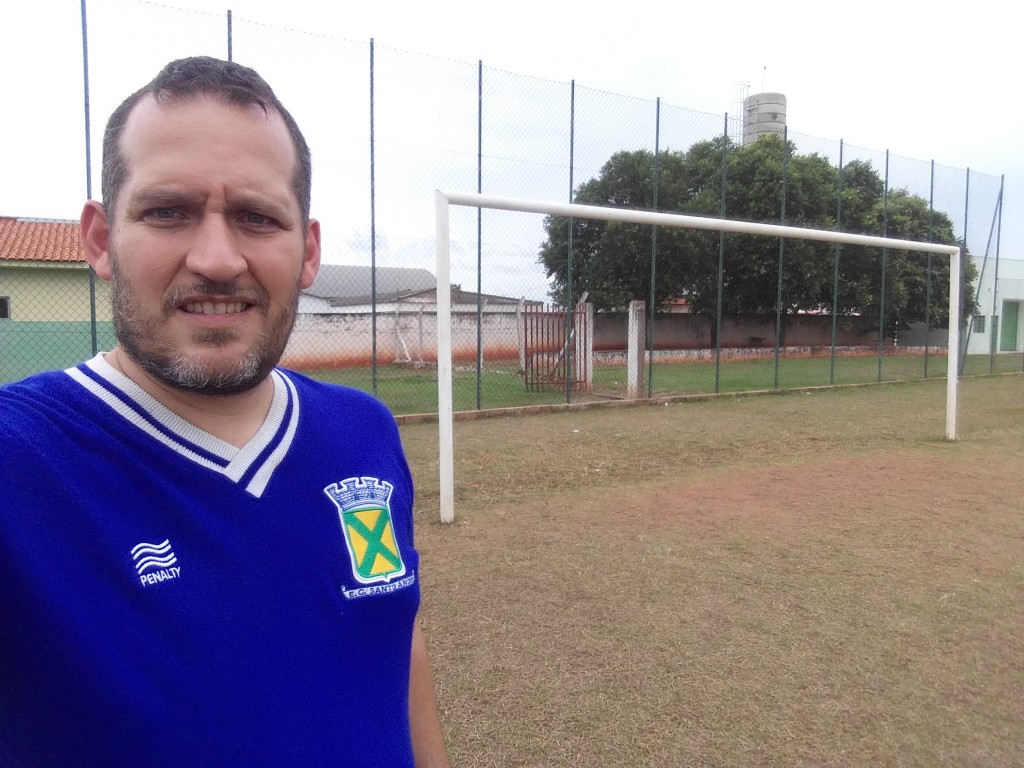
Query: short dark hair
191, 78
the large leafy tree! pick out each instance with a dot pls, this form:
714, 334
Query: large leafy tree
612, 261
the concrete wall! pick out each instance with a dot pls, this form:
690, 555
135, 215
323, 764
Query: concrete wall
405, 335
689, 331
52, 293
50, 324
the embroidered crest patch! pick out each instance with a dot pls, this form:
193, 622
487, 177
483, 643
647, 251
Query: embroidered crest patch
364, 507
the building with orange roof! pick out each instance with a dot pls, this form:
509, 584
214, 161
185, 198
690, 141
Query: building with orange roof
52, 314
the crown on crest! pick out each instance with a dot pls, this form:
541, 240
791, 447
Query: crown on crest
358, 491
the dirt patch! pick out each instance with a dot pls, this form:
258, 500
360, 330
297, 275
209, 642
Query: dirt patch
784, 581
783, 497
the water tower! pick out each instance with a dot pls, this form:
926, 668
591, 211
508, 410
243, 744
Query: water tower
763, 113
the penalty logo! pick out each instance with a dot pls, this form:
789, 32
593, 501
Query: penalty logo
155, 562
364, 507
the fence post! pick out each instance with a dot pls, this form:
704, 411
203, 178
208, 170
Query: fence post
721, 260
782, 250
928, 280
835, 267
521, 335
636, 335
995, 286
373, 237
568, 267
479, 232
585, 347
88, 172
962, 353
885, 255
654, 243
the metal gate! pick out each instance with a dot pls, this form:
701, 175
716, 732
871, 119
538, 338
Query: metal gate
553, 349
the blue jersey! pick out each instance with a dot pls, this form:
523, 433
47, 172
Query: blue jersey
167, 598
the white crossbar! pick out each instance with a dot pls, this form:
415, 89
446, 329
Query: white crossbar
444, 340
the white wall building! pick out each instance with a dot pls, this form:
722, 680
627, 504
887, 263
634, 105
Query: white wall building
998, 325
338, 325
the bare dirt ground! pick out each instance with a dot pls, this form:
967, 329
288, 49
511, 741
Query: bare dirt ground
800, 580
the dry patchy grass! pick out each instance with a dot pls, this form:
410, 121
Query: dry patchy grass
799, 580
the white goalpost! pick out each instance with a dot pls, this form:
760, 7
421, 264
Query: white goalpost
444, 200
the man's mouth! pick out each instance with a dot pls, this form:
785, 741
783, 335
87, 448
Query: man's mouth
215, 307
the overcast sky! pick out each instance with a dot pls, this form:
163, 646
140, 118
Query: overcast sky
930, 82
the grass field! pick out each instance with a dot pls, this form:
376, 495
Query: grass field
411, 390
807, 580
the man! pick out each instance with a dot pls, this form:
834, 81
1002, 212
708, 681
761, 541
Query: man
204, 559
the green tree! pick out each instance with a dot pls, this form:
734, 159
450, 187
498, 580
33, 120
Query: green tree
612, 261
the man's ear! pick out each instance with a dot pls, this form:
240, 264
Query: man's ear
95, 231
311, 255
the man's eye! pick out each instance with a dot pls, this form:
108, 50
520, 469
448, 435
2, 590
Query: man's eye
163, 214
258, 219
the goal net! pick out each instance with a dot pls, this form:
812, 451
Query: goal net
444, 201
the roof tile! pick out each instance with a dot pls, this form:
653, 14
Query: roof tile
40, 240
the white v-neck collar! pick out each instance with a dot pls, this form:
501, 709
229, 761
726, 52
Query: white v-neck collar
250, 465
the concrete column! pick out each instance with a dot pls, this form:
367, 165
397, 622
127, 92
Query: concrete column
585, 348
636, 336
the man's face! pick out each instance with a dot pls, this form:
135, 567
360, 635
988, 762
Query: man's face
207, 251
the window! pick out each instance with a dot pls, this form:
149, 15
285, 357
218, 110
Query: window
5, 307
979, 324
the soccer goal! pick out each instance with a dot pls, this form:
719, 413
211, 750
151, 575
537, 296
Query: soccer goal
444, 200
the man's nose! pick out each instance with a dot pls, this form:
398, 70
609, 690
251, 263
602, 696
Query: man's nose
215, 253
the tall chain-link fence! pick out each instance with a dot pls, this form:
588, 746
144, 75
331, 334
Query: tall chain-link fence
387, 127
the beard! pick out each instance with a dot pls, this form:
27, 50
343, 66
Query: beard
138, 333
